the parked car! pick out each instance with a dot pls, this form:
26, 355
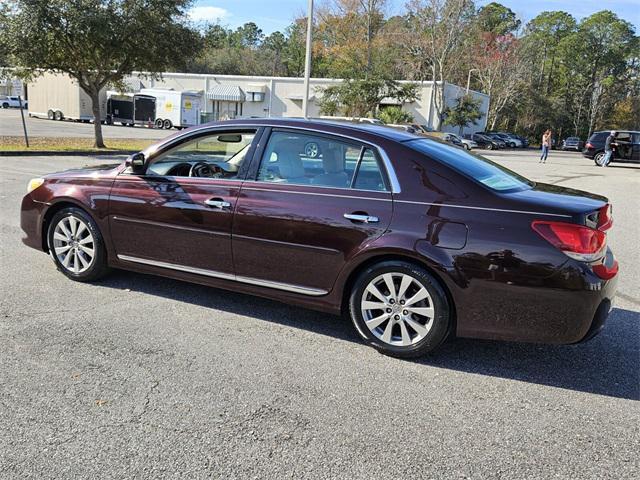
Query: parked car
509, 140
403, 234
572, 143
515, 139
524, 140
447, 137
8, 101
466, 143
627, 151
496, 138
483, 141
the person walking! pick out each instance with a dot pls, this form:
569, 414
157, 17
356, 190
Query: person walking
546, 145
609, 145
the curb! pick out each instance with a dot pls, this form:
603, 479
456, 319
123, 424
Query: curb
50, 153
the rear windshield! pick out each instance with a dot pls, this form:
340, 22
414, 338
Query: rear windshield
599, 137
490, 174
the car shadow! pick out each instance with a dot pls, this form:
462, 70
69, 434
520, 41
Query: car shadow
607, 365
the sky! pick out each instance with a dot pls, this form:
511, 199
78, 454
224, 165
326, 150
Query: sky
272, 15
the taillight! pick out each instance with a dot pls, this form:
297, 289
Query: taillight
576, 241
605, 220
589, 145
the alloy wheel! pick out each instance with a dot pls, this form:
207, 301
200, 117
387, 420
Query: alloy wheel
73, 244
398, 309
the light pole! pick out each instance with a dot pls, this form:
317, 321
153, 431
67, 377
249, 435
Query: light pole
307, 61
469, 78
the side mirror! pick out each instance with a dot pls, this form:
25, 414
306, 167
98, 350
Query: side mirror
135, 162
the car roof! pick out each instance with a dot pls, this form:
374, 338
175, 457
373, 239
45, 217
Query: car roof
617, 131
344, 127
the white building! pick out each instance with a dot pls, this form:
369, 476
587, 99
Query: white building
233, 96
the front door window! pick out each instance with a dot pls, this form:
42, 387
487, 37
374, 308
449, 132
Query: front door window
219, 156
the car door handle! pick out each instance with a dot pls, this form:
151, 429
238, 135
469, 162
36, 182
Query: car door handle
361, 218
217, 203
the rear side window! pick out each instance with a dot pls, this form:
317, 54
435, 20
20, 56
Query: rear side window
490, 174
308, 159
623, 137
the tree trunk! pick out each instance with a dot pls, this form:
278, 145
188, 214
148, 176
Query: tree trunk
97, 125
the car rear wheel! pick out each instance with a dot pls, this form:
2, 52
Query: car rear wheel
167, 124
400, 309
58, 115
158, 123
489, 146
76, 245
599, 158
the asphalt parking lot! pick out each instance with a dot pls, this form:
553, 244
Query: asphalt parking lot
11, 126
139, 376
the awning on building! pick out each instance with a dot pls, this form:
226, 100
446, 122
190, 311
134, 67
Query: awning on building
299, 97
226, 93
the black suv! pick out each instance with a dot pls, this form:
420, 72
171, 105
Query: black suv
628, 149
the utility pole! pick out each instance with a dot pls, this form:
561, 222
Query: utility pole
24, 125
307, 62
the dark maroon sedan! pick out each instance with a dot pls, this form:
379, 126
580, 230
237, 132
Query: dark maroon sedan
415, 240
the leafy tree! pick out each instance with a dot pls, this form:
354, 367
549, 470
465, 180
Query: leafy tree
98, 42
497, 19
361, 98
248, 35
465, 111
438, 27
395, 115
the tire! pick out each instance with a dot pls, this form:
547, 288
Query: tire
167, 125
51, 115
397, 331
79, 253
58, 115
5, 105
598, 158
489, 146
158, 123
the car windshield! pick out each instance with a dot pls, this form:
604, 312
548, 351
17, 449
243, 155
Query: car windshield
486, 172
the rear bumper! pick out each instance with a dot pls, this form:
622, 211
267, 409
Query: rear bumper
569, 307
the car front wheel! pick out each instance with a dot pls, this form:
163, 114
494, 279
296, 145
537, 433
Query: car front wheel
400, 309
76, 245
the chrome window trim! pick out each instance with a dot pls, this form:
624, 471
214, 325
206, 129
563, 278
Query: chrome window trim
315, 292
342, 189
390, 171
353, 197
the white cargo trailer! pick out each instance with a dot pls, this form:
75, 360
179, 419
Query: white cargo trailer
59, 97
175, 108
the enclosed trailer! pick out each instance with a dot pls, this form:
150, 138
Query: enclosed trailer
175, 108
144, 111
130, 108
120, 108
58, 97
